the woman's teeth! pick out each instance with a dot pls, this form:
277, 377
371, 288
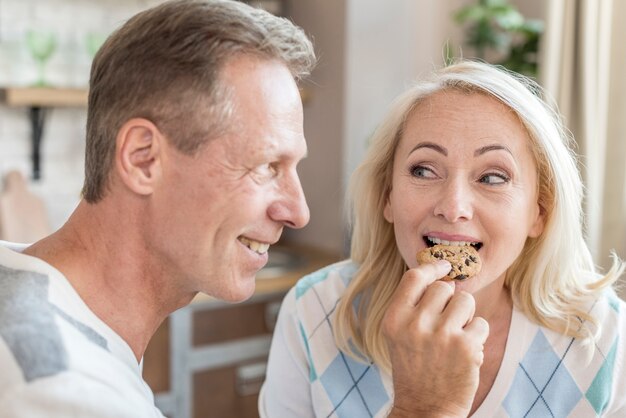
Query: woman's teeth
255, 246
446, 242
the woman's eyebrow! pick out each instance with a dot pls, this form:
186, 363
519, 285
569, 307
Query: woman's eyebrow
432, 146
495, 147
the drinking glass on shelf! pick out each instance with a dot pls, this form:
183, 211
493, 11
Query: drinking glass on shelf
41, 45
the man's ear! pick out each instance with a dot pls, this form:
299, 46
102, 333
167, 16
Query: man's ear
138, 149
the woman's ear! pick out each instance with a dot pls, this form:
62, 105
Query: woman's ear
387, 212
138, 154
539, 223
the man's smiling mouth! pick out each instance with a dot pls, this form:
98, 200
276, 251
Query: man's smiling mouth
256, 246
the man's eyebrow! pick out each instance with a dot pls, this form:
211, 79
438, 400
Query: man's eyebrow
494, 147
288, 155
430, 145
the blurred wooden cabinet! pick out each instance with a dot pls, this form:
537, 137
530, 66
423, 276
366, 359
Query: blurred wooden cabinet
230, 391
214, 368
208, 360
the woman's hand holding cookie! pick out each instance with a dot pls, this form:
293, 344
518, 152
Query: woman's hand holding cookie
435, 344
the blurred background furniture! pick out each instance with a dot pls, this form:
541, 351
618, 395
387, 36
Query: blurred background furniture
23, 216
208, 359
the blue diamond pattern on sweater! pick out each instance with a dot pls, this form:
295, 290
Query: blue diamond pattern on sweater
311, 280
353, 406
599, 393
312, 372
614, 302
539, 410
354, 388
542, 386
347, 272
521, 395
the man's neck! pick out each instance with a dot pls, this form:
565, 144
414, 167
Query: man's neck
104, 260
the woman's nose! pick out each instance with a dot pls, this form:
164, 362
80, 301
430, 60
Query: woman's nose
455, 202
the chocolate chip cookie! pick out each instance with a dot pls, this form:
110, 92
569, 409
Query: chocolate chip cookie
464, 259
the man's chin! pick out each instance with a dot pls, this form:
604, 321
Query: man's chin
240, 293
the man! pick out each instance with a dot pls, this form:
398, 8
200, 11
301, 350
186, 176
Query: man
194, 131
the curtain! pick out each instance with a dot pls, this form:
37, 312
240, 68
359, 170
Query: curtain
582, 64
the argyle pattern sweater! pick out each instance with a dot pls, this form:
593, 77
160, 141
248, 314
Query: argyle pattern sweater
543, 374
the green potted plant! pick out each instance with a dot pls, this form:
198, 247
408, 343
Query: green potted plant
495, 26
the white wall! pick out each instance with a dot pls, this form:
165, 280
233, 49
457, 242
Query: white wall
70, 21
532, 9
388, 48
369, 51
324, 21
63, 140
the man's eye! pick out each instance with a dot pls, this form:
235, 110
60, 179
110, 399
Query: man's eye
271, 169
421, 171
266, 171
494, 178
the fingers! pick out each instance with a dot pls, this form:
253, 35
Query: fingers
478, 327
435, 298
459, 314
408, 293
460, 310
415, 281
428, 306
478, 331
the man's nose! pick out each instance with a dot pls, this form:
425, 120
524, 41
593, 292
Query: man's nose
290, 208
455, 201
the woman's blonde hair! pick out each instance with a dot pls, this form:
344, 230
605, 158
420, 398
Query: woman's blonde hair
553, 279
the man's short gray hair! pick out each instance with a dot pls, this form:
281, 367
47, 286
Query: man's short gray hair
164, 65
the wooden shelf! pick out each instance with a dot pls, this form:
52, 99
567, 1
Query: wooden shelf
65, 97
43, 97
38, 100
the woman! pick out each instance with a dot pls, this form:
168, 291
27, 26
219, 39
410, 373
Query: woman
470, 157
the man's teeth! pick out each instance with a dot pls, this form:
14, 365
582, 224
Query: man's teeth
255, 246
446, 242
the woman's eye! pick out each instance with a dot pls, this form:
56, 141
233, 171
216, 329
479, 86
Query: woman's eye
494, 178
422, 172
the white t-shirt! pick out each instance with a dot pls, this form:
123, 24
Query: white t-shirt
543, 373
57, 358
